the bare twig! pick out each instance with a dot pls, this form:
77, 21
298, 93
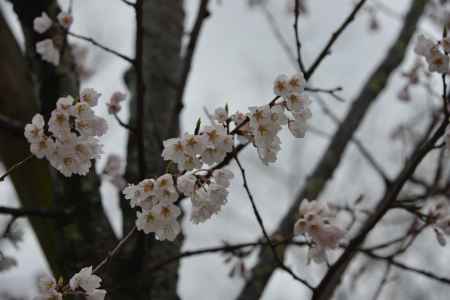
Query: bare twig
297, 37
107, 49
202, 14
123, 124
15, 166
332, 40
114, 251
263, 229
405, 267
129, 3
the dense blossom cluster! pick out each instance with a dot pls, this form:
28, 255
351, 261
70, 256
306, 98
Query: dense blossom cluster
266, 121
316, 222
70, 140
158, 214
82, 283
208, 146
435, 53
49, 48
191, 151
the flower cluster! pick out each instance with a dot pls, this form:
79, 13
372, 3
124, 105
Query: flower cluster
84, 282
316, 222
156, 198
439, 217
435, 53
207, 193
49, 48
191, 151
266, 121
71, 139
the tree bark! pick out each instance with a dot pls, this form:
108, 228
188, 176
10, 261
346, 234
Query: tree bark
82, 236
162, 36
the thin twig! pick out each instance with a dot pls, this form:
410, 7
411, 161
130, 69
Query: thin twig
278, 34
223, 248
297, 37
202, 14
114, 251
15, 166
263, 229
326, 50
405, 267
132, 4
124, 125
107, 49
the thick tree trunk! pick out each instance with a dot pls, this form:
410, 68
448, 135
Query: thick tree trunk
162, 37
82, 236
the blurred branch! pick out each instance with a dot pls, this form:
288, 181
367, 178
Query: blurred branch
107, 49
14, 126
263, 229
332, 155
277, 32
332, 92
326, 50
359, 145
35, 212
123, 124
202, 14
297, 37
405, 267
15, 166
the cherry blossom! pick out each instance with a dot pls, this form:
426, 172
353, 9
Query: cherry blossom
48, 51
42, 24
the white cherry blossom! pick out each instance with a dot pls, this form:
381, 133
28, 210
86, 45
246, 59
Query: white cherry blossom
48, 52
42, 24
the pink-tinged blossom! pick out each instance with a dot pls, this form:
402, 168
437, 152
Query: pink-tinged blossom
114, 102
65, 20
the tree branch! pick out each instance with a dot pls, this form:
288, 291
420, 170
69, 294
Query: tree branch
107, 49
326, 50
202, 14
331, 158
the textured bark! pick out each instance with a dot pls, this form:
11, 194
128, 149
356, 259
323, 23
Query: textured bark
18, 101
163, 31
331, 158
83, 236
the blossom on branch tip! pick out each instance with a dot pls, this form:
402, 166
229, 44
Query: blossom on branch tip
317, 222
42, 24
90, 96
72, 140
48, 51
114, 102
65, 20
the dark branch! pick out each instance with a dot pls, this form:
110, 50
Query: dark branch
95, 43
297, 37
202, 14
332, 40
